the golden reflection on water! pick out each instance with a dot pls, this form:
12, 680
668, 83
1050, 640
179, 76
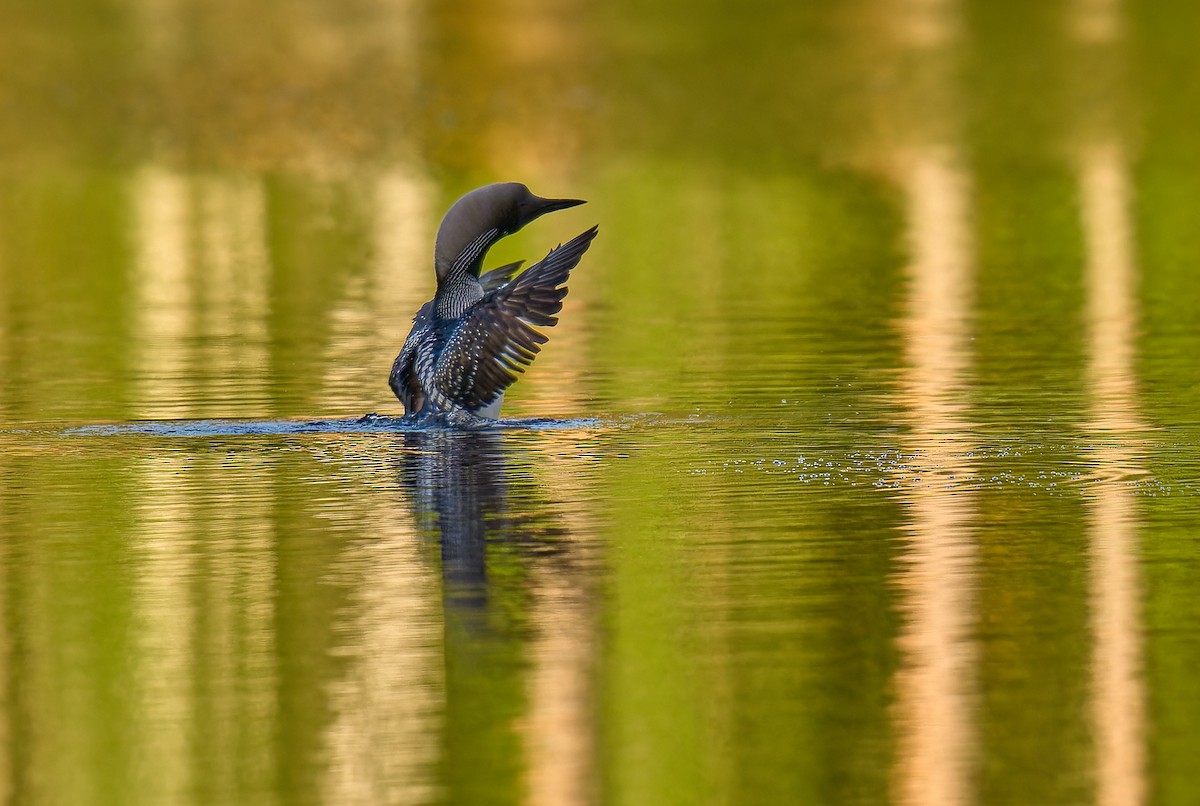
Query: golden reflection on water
559, 726
1116, 589
403, 226
353, 328
200, 275
166, 633
233, 287
384, 739
164, 305
1111, 317
935, 709
935, 706
935, 687
204, 658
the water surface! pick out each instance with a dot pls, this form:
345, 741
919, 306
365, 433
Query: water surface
861, 468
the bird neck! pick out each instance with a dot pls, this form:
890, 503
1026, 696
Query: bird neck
456, 292
458, 282
470, 258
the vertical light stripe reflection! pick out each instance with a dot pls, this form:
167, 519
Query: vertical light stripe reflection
161, 213
205, 649
1118, 707
252, 563
201, 275
935, 687
233, 296
165, 635
383, 744
235, 672
1110, 288
349, 355
403, 242
558, 729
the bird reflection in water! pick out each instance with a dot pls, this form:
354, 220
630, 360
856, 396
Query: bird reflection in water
519, 620
469, 489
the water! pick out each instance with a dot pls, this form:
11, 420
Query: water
861, 468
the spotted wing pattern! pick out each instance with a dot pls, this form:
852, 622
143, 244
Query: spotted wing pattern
404, 379
485, 353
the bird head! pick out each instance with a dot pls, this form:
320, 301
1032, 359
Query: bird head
482, 217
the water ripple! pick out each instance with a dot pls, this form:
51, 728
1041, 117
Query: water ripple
370, 423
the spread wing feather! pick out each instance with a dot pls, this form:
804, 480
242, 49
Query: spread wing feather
485, 353
499, 276
404, 379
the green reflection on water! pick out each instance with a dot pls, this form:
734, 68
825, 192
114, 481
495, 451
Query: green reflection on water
829, 537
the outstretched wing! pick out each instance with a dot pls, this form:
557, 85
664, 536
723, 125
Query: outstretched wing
403, 378
498, 340
499, 276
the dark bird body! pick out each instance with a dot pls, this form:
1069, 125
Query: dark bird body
468, 343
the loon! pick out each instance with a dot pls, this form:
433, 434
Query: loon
469, 342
